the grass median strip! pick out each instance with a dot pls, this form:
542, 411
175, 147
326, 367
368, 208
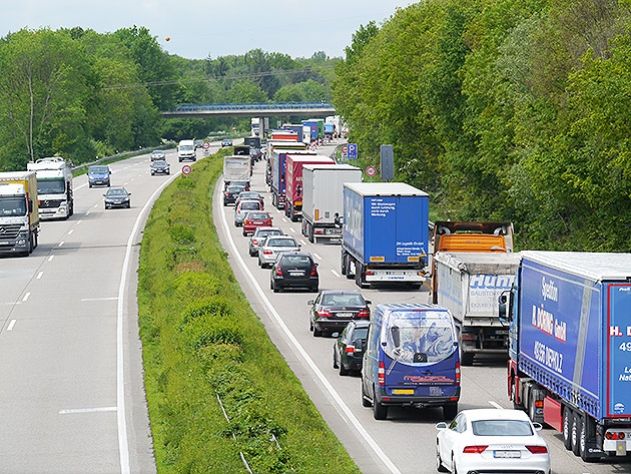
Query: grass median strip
202, 341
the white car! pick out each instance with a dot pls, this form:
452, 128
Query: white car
273, 246
490, 440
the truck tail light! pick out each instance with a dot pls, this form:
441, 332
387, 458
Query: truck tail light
474, 449
318, 231
381, 374
369, 273
612, 435
538, 403
537, 449
350, 349
363, 313
468, 337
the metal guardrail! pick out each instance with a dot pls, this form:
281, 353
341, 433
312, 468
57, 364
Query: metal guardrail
122, 156
261, 106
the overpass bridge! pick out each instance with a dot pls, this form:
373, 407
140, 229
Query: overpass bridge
294, 109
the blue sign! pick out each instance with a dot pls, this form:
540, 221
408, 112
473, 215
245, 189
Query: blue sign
352, 151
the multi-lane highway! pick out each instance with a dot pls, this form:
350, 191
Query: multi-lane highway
72, 398
406, 441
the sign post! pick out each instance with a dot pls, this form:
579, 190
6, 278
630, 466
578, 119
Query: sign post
386, 153
186, 170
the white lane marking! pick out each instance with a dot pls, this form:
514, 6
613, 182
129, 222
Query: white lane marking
70, 231
95, 206
79, 221
39, 276
86, 410
292, 229
87, 213
26, 297
11, 324
495, 405
335, 273
302, 242
61, 243
125, 183
50, 259
11, 303
110, 298
308, 360
317, 256
285, 220
123, 445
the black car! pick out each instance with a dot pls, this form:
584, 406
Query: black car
294, 270
348, 350
231, 194
160, 167
117, 197
332, 310
245, 184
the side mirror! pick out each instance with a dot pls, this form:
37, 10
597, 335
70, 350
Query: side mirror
441, 426
129, 194
538, 426
104, 195
368, 301
504, 310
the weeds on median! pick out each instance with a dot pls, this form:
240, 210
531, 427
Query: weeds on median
201, 339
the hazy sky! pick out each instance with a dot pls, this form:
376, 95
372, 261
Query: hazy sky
217, 27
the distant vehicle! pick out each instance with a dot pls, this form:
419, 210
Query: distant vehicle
251, 196
348, 350
294, 270
19, 216
293, 181
241, 210
411, 359
226, 142
117, 196
255, 219
274, 246
99, 175
231, 193
160, 167
198, 144
245, 184
332, 310
54, 187
236, 168
186, 151
491, 440
158, 155
259, 236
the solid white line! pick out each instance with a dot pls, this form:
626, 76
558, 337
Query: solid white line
70, 231
86, 410
26, 297
308, 360
11, 324
50, 259
317, 256
61, 243
39, 275
335, 273
495, 405
111, 298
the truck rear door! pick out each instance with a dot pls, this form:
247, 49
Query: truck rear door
619, 350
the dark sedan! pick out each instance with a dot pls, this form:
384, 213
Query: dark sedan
348, 350
332, 310
160, 167
226, 142
117, 197
294, 270
231, 194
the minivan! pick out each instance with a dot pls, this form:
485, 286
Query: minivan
411, 359
186, 150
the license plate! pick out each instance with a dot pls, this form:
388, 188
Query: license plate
621, 448
403, 391
507, 454
344, 315
296, 274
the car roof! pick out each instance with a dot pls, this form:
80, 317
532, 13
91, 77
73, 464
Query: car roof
340, 292
495, 414
269, 228
250, 200
361, 323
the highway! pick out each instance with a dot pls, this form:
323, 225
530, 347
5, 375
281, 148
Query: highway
72, 389
405, 443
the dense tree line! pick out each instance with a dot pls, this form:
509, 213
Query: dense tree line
82, 94
503, 109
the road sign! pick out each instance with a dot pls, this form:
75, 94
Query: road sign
371, 171
352, 151
206, 145
186, 170
344, 151
387, 162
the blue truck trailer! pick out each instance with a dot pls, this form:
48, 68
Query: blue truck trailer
569, 317
385, 233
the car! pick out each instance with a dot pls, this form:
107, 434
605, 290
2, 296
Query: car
348, 350
294, 270
259, 236
273, 246
117, 196
99, 175
159, 167
158, 155
255, 219
242, 208
245, 184
198, 144
231, 193
226, 142
332, 310
491, 440
250, 196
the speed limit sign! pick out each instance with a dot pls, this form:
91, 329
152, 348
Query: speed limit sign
206, 145
371, 171
186, 170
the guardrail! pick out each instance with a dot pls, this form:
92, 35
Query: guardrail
121, 156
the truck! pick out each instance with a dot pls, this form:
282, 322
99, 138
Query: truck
273, 145
314, 127
322, 204
469, 285
278, 167
329, 130
284, 135
236, 168
19, 214
569, 319
294, 128
385, 234
54, 187
293, 181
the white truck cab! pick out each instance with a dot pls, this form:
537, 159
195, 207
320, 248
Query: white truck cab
54, 187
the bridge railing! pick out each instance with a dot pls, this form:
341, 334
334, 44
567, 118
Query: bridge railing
262, 106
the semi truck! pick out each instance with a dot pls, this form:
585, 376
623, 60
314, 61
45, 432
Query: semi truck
385, 233
285, 135
276, 144
293, 181
278, 167
323, 204
469, 285
54, 187
569, 318
236, 168
329, 130
19, 214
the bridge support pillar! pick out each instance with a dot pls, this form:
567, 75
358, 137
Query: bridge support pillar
262, 127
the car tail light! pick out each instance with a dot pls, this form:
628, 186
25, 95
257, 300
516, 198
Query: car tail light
381, 374
314, 271
468, 337
323, 313
369, 273
279, 271
474, 449
318, 231
363, 313
255, 242
611, 435
226, 193
267, 252
537, 449
350, 349
457, 373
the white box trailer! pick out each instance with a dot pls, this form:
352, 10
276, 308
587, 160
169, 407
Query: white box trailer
236, 168
469, 285
323, 199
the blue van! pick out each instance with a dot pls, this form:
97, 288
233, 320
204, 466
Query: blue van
411, 359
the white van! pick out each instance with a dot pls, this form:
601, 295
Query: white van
186, 150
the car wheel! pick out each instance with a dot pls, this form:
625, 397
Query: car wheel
379, 411
275, 287
335, 364
343, 370
128, 205
450, 411
576, 429
244, 233
317, 332
439, 460
314, 289
365, 401
89, 185
567, 428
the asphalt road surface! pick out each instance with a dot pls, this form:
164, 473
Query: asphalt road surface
72, 397
404, 443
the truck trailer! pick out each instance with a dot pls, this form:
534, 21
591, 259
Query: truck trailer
54, 187
278, 167
19, 213
323, 203
236, 168
385, 233
569, 316
293, 181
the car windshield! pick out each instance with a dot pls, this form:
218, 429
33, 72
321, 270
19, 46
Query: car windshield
281, 243
12, 206
116, 192
501, 428
157, 153
235, 189
159, 163
250, 195
297, 261
250, 206
51, 186
186, 147
258, 215
343, 299
98, 170
267, 232
419, 337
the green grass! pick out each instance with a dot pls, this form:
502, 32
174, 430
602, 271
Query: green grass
201, 339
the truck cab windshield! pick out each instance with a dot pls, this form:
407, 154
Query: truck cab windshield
12, 206
51, 186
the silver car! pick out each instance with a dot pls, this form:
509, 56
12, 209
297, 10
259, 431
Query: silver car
259, 236
243, 208
273, 246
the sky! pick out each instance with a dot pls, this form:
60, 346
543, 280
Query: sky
198, 28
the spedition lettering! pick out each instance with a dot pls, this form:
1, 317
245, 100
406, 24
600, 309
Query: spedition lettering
547, 323
549, 357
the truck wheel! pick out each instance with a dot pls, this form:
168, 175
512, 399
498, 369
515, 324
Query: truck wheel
359, 279
311, 235
343, 263
576, 430
349, 274
466, 358
450, 411
567, 427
